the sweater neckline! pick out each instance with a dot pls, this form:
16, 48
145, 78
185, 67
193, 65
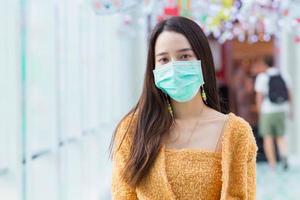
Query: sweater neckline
193, 151
198, 150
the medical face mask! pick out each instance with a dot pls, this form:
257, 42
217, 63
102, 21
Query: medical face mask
181, 80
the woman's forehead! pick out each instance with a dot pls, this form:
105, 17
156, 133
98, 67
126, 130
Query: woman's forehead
170, 41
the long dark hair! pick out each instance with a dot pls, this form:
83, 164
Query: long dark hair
153, 119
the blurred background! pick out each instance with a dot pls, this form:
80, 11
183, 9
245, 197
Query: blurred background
70, 69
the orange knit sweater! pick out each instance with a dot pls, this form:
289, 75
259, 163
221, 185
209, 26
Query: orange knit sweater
231, 174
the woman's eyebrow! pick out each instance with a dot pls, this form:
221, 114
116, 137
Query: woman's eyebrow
180, 50
160, 54
185, 49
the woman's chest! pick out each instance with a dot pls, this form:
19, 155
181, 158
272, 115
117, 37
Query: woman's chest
193, 174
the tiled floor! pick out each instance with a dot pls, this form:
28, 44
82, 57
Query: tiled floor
278, 184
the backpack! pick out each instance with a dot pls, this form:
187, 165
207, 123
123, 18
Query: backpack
278, 92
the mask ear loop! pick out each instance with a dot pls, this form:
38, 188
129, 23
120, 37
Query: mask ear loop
203, 94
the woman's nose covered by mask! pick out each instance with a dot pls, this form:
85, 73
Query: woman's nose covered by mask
181, 80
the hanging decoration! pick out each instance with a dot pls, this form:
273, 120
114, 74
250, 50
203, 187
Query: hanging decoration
184, 7
166, 9
297, 36
245, 20
104, 7
128, 25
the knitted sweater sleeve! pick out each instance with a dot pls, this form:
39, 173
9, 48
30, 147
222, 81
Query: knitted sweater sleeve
239, 178
251, 166
121, 190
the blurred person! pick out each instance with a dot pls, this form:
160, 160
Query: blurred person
273, 98
258, 67
175, 143
244, 92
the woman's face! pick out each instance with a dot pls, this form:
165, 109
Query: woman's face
172, 46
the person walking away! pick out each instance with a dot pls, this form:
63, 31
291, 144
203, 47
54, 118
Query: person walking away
273, 99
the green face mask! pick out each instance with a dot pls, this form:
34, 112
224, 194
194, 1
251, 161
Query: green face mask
181, 80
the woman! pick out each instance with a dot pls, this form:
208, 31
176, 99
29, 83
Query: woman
175, 143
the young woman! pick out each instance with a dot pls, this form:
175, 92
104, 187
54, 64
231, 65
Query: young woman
175, 143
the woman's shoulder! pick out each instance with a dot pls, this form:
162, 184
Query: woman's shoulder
239, 129
239, 123
240, 135
232, 122
125, 129
127, 122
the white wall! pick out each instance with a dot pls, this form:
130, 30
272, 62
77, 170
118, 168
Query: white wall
122, 58
10, 112
83, 73
289, 53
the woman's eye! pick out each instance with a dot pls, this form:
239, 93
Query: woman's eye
185, 56
163, 60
